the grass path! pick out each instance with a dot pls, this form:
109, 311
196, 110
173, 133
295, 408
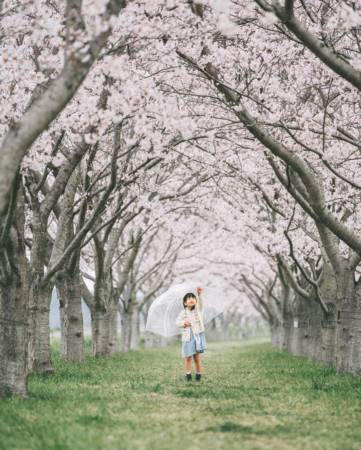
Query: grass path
251, 398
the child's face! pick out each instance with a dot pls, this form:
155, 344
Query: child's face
190, 302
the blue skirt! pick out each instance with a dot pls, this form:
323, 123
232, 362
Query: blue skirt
197, 344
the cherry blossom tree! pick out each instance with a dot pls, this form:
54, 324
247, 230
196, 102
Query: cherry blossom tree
210, 139
279, 132
70, 34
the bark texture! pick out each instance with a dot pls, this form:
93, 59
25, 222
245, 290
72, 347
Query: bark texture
14, 296
39, 353
71, 316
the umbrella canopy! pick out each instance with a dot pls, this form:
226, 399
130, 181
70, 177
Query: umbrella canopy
165, 309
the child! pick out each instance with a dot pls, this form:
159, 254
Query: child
193, 338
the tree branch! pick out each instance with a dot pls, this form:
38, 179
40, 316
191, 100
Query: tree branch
47, 106
317, 46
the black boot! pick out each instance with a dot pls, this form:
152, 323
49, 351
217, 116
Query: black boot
198, 376
188, 376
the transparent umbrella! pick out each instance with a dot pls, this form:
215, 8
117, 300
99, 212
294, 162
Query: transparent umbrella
165, 309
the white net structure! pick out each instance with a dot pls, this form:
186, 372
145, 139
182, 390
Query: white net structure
165, 309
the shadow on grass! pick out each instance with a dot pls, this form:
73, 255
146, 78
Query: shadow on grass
96, 420
233, 427
234, 392
192, 393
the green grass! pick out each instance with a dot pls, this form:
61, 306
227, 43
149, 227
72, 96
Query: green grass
251, 398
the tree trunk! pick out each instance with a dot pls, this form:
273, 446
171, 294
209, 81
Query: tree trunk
135, 328
71, 316
328, 335
39, 356
295, 345
287, 325
348, 357
276, 333
14, 296
14, 300
304, 331
125, 332
348, 320
313, 336
130, 332
309, 323
100, 331
114, 343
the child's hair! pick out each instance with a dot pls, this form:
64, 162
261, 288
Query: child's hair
186, 297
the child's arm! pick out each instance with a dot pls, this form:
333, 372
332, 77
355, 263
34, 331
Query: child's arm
200, 298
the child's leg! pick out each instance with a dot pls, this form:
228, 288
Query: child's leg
188, 364
197, 361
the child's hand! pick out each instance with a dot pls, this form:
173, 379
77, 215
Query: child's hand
199, 290
187, 323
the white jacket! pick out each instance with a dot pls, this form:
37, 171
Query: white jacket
195, 316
